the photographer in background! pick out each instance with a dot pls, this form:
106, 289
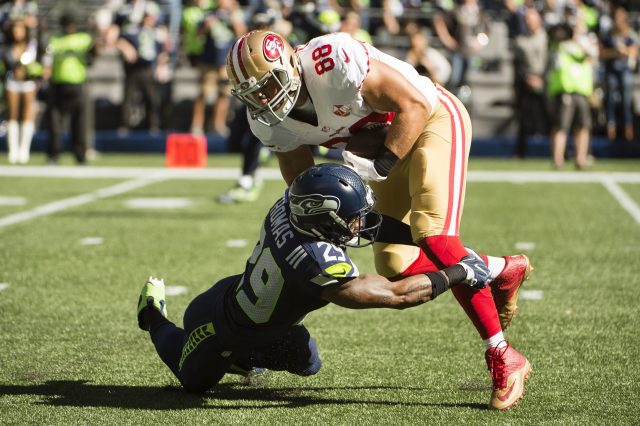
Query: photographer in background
570, 84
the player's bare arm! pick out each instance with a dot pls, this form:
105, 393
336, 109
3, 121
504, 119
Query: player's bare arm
386, 89
375, 291
292, 163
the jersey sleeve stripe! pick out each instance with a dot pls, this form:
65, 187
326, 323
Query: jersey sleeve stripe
368, 63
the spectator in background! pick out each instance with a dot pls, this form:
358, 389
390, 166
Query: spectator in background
310, 19
142, 47
68, 55
221, 25
462, 29
192, 39
570, 84
20, 10
193, 42
425, 59
351, 24
248, 186
515, 21
530, 64
21, 70
619, 52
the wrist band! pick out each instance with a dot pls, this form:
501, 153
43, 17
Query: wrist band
385, 161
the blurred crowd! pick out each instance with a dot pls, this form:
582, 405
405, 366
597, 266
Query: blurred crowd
574, 60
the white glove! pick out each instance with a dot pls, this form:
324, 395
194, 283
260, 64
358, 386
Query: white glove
363, 166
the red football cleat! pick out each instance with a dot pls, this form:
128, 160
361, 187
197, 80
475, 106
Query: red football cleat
509, 370
505, 287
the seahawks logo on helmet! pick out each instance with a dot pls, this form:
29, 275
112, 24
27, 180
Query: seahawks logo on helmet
313, 204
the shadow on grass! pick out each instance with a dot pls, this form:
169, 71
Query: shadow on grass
79, 393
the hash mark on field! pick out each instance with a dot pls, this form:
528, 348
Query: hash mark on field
175, 290
3, 286
525, 245
158, 203
91, 241
12, 201
236, 243
531, 294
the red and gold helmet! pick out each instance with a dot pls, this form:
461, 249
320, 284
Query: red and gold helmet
266, 75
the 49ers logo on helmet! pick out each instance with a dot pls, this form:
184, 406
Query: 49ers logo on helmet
272, 47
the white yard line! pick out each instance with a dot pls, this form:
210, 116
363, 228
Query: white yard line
79, 200
623, 198
130, 172
146, 175
90, 172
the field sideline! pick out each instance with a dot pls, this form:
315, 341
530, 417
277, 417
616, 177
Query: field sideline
78, 242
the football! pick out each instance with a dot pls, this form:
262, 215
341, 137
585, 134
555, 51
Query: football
367, 142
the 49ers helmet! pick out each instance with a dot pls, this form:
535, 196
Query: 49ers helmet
266, 75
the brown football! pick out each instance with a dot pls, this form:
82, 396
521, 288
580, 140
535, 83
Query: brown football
367, 142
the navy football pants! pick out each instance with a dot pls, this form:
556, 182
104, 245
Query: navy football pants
199, 360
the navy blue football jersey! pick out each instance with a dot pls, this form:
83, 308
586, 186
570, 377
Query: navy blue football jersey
282, 282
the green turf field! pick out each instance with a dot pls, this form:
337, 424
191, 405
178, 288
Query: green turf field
73, 258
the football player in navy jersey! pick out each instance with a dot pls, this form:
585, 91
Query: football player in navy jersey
300, 264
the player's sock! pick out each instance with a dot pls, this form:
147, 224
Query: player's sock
168, 340
446, 250
153, 317
480, 308
495, 341
496, 265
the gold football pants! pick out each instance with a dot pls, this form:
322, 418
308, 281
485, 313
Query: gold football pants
426, 188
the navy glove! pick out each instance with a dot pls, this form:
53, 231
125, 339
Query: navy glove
478, 275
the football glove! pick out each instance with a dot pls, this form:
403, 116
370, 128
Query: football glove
478, 274
362, 166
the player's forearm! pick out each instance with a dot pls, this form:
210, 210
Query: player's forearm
375, 291
379, 292
406, 128
437, 283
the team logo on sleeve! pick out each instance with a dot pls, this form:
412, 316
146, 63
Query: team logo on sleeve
272, 47
342, 110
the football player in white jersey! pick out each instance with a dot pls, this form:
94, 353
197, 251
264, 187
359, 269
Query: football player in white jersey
327, 90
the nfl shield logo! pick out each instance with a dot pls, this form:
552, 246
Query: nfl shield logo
342, 110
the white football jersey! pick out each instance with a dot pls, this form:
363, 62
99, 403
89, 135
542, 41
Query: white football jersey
334, 67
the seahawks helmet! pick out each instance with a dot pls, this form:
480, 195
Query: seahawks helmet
332, 203
265, 73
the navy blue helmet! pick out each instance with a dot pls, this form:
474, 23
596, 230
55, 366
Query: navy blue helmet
332, 203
